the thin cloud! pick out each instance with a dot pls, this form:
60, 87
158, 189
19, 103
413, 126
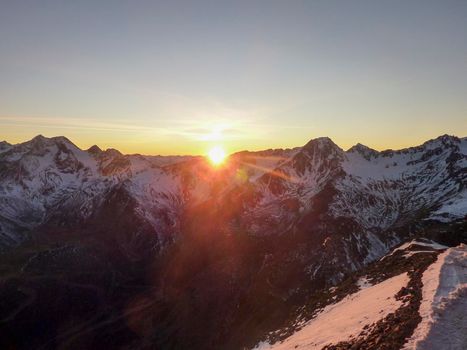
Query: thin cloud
75, 123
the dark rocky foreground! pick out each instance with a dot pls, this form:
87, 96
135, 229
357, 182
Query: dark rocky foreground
224, 292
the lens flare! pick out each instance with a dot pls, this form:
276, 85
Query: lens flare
217, 155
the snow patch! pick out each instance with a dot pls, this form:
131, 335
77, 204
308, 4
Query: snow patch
340, 321
429, 244
363, 283
456, 208
444, 305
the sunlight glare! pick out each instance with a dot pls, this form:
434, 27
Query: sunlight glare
217, 155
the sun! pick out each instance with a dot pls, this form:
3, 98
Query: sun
217, 155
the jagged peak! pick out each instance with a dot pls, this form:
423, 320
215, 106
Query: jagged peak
61, 139
55, 139
444, 139
41, 142
447, 137
360, 147
95, 149
36, 142
438, 142
323, 145
113, 152
365, 151
38, 139
322, 149
322, 142
321, 139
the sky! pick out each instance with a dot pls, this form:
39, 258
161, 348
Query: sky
178, 77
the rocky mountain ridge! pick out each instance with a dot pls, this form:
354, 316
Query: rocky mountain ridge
169, 248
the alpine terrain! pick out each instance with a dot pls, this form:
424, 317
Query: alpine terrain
306, 248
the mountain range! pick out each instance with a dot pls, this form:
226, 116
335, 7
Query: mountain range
105, 250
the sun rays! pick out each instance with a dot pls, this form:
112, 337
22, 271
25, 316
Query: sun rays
217, 155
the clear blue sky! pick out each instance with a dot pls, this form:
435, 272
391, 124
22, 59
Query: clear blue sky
181, 76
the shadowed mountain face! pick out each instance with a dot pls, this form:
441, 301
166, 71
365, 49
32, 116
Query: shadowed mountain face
105, 250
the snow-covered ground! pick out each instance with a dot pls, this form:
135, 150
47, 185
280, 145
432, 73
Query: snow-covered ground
426, 243
340, 321
443, 308
455, 208
444, 305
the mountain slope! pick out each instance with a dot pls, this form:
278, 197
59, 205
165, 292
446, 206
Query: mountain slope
168, 249
379, 310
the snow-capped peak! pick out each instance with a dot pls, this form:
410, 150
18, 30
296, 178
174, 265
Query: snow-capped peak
365, 151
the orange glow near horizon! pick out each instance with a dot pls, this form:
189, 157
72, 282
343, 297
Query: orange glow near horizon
196, 138
217, 155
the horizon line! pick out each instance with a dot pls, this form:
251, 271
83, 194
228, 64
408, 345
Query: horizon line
236, 152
